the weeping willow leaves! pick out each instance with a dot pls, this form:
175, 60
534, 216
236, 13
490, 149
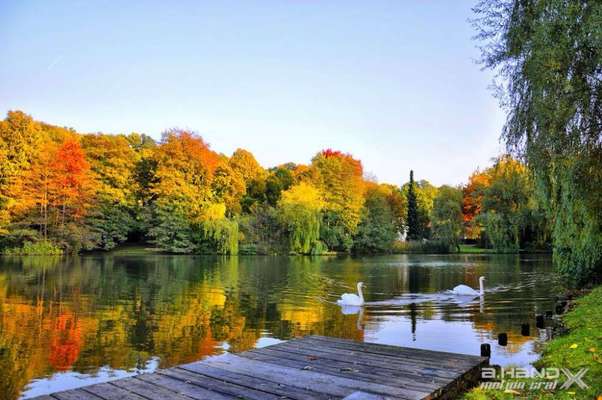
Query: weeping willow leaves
549, 56
300, 208
219, 234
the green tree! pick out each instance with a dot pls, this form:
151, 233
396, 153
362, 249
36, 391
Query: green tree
279, 180
171, 230
549, 56
447, 216
377, 229
412, 219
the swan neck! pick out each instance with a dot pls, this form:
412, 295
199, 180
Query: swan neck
360, 293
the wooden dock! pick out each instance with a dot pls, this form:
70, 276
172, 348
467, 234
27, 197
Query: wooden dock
314, 367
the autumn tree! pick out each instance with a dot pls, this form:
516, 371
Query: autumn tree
243, 162
252, 174
61, 187
111, 158
505, 206
185, 168
229, 186
19, 140
340, 178
300, 208
398, 204
185, 205
472, 202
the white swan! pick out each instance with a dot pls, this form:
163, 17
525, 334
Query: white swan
350, 299
463, 290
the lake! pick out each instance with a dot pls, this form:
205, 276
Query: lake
68, 322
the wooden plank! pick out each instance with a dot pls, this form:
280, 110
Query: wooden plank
391, 349
312, 368
332, 385
233, 389
349, 373
350, 370
381, 363
187, 389
107, 391
388, 350
377, 360
75, 394
147, 390
261, 388
363, 396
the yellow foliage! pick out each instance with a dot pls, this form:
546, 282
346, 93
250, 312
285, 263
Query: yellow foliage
303, 194
214, 212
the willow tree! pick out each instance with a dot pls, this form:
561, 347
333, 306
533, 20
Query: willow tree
548, 55
299, 209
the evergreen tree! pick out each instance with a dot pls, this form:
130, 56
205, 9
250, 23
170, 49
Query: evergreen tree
413, 223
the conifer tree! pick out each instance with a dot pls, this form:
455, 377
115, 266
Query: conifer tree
413, 224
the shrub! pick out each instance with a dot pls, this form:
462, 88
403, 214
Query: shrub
426, 246
40, 248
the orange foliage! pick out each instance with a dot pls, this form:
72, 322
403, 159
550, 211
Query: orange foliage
70, 176
186, 150
346, 157
472, 200
59, 185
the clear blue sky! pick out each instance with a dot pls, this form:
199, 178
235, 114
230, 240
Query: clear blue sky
392, 82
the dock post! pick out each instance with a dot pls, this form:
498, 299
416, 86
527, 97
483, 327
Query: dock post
502, 339
525, 330
485, 350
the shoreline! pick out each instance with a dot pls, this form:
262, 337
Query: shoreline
576, 345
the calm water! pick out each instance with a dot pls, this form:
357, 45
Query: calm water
67, 322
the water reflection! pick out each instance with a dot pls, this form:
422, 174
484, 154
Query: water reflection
84, 317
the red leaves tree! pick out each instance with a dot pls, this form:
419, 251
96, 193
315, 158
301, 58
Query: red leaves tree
60, 186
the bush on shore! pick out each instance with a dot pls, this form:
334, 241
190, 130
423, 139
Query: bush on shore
41, 248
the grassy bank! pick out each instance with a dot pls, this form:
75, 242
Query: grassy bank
580, 348
473, 249
134, 250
